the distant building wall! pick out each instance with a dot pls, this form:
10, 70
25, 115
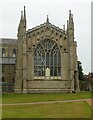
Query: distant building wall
7, 63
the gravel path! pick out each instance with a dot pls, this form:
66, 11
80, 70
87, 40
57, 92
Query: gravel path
88, 100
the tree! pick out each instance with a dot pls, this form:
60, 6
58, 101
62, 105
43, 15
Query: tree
80, 71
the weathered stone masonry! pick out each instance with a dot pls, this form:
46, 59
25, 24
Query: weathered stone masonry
46, 58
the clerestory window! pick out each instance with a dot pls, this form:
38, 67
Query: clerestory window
47, 59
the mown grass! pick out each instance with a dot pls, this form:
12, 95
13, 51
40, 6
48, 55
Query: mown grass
24, 98
54, 110
57, 110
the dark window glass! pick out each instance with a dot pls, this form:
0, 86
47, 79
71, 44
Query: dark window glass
13, 80
3, 79
51, 71
2, 69
14, 51
47, 59
59, 71
3, 52
55, 71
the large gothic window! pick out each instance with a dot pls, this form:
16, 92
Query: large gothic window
47, 59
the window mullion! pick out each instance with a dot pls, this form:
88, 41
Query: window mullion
41, 65
57, 64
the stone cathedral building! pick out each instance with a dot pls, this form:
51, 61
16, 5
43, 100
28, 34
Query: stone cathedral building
46, 58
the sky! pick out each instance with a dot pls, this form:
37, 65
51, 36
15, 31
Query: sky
58, 12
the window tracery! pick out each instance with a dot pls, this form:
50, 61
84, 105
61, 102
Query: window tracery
47, 57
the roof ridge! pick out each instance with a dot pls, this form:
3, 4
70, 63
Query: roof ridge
42, 25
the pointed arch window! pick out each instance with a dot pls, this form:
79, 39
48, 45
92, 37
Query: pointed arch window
14, 52
3, 52
47, 59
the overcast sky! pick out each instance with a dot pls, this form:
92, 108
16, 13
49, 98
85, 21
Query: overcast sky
58, 11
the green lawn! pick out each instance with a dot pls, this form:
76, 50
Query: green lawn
54, 110
17, 98
57, 110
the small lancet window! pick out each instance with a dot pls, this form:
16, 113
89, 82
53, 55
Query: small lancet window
3, 52
14, 52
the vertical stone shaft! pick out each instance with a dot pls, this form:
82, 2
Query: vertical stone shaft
24, 66
19, 61
70, 30
21, 57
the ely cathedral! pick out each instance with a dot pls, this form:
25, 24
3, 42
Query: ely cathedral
46, 58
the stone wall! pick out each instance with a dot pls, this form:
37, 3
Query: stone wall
50, 85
